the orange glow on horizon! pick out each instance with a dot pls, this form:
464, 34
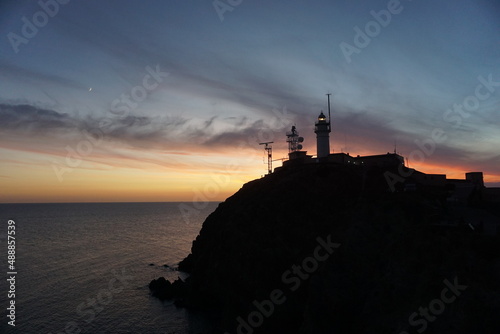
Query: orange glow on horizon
35, 181
29, 177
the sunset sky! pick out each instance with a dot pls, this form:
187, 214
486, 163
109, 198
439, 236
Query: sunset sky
167, 100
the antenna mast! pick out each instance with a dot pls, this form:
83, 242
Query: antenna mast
268, 148
293, 140
329, 117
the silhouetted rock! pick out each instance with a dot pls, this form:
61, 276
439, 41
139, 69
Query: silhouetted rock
163, 289
393, 258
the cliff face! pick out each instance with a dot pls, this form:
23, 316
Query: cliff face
325, 248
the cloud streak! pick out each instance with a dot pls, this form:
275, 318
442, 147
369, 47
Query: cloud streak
153, 132
353, 131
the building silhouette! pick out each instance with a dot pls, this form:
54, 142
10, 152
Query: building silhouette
458, 190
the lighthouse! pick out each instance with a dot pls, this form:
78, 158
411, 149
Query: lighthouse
322, 130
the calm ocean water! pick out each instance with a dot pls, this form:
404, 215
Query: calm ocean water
87, 267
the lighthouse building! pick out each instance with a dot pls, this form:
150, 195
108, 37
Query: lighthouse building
322, 130
460, 190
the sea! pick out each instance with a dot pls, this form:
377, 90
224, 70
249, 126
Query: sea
85, 267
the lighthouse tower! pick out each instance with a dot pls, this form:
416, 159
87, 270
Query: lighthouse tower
322, 130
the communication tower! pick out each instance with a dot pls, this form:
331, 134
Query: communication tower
293, 140
269, 150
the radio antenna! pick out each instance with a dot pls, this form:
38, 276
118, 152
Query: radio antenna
269, 151
329, 116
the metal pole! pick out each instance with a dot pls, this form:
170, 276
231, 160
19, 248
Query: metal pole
328, 109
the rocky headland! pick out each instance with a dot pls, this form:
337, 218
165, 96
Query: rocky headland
325, 248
